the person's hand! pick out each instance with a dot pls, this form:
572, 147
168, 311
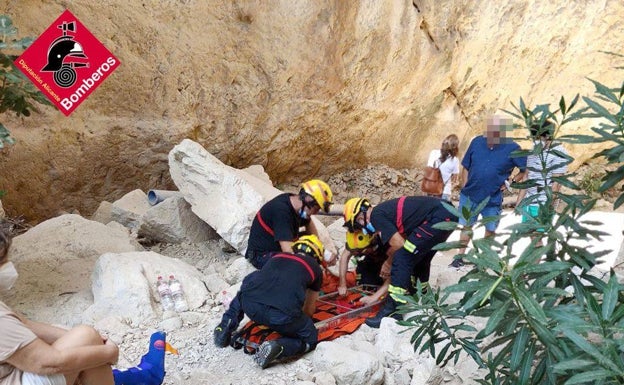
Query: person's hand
113, 351
367, 300
385, 270
342, 290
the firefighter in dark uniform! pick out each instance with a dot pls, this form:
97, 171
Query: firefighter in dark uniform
370, 255
405, 225
277, 223
282, 295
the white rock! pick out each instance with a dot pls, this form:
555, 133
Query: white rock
425, 370
171, 324
224, 197
363, 346
257, 171
124, 284
129, 209
402, 376
338, 232
215, 284
348, 366
113, 327
103, 213
238, 270
173, 221
55, 259
324, 378
393, 342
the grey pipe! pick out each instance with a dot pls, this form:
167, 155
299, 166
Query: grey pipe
156, 196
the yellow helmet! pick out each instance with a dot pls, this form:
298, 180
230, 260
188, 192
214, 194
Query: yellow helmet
358, 241
311, 245
352, 208
320, 191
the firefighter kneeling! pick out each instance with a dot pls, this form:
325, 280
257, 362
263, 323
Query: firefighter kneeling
282, 295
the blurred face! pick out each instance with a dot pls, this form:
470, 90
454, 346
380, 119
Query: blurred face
497, 129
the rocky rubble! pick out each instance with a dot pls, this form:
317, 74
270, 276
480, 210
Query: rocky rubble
116, 293
74, 270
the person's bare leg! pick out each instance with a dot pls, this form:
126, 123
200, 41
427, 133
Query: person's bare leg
489, 233
464, 238
85, 336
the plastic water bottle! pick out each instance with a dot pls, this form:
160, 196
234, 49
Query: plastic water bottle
166, 299
179, 302
226, 299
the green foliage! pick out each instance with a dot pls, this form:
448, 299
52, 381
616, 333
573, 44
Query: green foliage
591, 180
547, 318
607, 107
17, 93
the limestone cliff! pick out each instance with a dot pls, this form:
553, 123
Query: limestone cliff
305, 88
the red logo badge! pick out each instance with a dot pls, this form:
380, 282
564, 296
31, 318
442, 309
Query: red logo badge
67, 62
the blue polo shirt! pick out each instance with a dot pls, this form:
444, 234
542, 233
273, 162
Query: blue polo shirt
488, 169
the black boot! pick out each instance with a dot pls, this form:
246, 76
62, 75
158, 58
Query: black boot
386, 311
267, 353
223, 332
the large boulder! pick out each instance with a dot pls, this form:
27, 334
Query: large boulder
130, 208
124, 284
224, 197
55, 259
173, 221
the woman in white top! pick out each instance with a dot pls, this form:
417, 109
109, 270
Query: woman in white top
446, 160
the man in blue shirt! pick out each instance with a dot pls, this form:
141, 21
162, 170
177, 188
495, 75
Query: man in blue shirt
487, 165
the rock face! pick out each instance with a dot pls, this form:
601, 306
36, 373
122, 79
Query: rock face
304, 89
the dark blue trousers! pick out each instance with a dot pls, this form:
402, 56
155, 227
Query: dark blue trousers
258, 259
298, 333
424, 237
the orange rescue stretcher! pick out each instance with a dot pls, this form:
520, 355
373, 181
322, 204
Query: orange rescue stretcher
335, 316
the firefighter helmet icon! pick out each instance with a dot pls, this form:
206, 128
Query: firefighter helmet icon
64, 55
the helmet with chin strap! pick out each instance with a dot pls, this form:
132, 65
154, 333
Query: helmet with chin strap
319, 191
352, 209
310, 245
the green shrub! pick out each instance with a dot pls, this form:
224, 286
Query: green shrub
591, 180
17, 93
548, 318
